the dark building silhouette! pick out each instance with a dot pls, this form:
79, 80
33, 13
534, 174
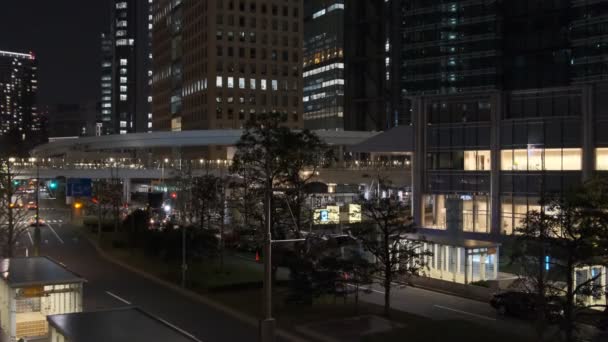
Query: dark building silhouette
126, 69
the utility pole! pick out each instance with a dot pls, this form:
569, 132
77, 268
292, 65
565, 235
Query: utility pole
268, 323
37, 237
99, 224
184, 264
183, 221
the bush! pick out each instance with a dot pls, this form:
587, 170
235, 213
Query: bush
481, 283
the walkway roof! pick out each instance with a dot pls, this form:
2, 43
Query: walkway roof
396, 140
116, 325
227, 137
36, 271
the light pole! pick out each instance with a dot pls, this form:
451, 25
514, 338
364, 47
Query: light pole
37, 236
268, 324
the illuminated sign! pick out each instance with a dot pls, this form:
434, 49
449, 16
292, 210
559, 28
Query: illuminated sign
32, 292
354, 213
327, 215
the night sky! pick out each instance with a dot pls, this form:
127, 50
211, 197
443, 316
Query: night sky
64, 35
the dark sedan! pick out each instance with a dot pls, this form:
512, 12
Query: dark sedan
523, 305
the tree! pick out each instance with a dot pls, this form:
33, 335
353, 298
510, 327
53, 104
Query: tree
568, 233
384, 233
108, 194
531, 254
273, 159
13, 216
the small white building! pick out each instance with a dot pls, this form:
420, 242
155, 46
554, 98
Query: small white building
459, 260
30, 290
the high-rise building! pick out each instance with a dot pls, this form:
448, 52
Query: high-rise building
372, 54
126, 69
509, 101
218, 63
70, 120
18, 89
105, 119
324, 64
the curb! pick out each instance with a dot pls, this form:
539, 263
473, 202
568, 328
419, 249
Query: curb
250, 320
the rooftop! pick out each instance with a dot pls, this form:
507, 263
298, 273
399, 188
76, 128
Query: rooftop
21, 272
453, 241
16, 54
396, 140
117, 325
224, 137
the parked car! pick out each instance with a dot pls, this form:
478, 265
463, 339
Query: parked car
31, 205
523, 305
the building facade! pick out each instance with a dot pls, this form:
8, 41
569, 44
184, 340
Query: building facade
218, 63
372, 51
18, 90
504, 109
126, 69
71, 120
324, 64
105, 118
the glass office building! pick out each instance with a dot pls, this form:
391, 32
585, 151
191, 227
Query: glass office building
508, 102
323, 64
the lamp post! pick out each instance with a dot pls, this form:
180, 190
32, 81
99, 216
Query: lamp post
268, 324
37, 236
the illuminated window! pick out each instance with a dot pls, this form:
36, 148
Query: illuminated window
230, 82
475, 213
471, 213
434, 211
241, 83
514, 211
537, 159
477, 161
218, 81
252, 83
601, 159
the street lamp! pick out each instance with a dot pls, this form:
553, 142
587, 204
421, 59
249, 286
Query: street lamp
37, 236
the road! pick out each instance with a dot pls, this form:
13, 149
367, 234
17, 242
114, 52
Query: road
111, 286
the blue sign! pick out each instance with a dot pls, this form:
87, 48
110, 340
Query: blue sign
324, 216
79, 187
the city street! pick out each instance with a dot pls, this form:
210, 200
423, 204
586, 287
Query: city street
111, 286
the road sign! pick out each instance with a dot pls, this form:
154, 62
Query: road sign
79, 187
